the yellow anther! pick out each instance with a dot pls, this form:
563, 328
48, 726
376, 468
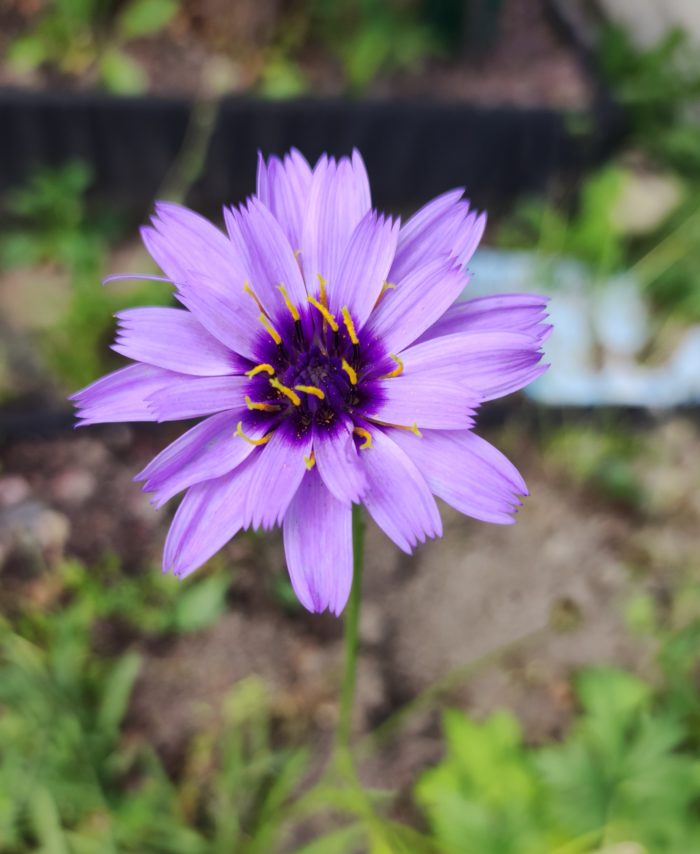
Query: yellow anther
349, 325
364, 434
350, 371
286, 391
398, 370
387, 286
268, 369
311, 389
327, 316
323, 294
310, 460
247, 288
413, 428
263, 407
274, 334
263, 441
290, 305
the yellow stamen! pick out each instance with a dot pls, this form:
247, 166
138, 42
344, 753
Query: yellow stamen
263, 407
398, 370
247, 288
412, 429
387, 286
366, 435
350, 371
311, 389
323, 295
274, 334
259, 368
349, 325
286, 391
290, 305
310, 460
263, 441
327, 316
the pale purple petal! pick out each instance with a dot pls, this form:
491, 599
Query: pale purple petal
337, 461
123, 395
210, 514
416, 302
278, 470
338, 199
173, 339
444, 225
283, 186
210, 449
490, 363
318, 546
466, 472
425, 401
231, 318
364, 267
196, 396
398, 497
267, 255
524, 313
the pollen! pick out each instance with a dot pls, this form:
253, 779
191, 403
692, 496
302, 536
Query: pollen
350, 371
398, 370
258, 369
262, 407
290, 305
323, 293
349, 325
286, 391
327, 316
311, 389
387, 286
263, 441
310, 460
274, 334
247, 289
364, 434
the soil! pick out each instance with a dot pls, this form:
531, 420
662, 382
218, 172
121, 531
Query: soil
502, 616
213, 45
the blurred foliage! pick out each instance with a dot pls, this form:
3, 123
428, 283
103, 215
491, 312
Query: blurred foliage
47, 223
77, 36
628, 772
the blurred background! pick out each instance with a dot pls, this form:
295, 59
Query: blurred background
526, 689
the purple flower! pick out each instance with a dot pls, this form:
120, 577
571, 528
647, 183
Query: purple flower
321, 342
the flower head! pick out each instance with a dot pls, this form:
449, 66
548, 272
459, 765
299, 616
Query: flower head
323, 346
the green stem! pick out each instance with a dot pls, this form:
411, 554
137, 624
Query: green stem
352, 634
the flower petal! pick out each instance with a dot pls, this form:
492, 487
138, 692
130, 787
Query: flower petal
210, 514
209, 450
444, 225
466, 472
338, 199
279, 467
522, 313
318, 546
397, 497
195, 396
364, 267
491, 363
173, 339
283, 186
123, 395
267, 255
416, 302
337, 462
424, 401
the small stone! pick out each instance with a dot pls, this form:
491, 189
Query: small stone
32, 527
73, 486
13, 490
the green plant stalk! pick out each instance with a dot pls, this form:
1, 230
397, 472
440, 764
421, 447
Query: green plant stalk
352, 635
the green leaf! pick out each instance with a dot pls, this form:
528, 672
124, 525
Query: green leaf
121, 74
146, 17
117, 691
27, 53
47, 821
201, 604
